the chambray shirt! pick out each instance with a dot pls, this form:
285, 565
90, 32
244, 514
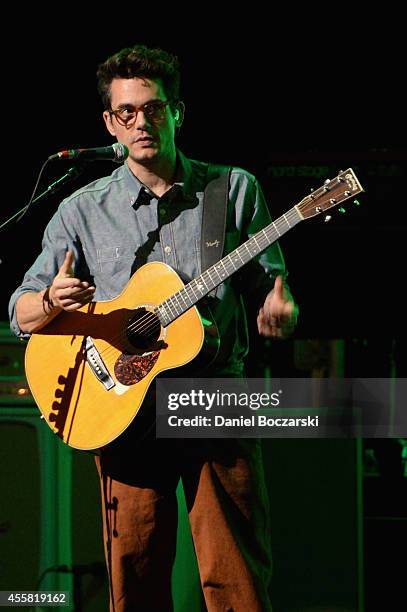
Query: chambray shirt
115, 224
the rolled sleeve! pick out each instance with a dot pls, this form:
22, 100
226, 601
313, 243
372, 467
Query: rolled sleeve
58, 238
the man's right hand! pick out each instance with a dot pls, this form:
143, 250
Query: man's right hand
68, 292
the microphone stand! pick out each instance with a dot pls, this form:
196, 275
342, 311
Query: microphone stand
71, 174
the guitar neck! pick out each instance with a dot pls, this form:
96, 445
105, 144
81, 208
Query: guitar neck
180, 302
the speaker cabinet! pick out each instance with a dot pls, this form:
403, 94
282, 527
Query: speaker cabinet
50, 521
20, 506
35, 471
315, 489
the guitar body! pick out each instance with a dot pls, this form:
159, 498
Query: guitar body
86, 403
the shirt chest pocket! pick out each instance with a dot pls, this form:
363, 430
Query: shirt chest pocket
113, 259
107, 254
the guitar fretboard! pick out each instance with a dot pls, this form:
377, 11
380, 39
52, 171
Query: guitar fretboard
188, 296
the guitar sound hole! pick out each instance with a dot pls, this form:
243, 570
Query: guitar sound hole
143, 329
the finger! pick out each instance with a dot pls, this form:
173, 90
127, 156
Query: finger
77, 296
287, 311
260, 324
67, 267
85, 295
74, 306
263, 326
73, 290
67, 282
291, 312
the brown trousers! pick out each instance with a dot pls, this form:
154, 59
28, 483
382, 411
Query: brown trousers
228, 509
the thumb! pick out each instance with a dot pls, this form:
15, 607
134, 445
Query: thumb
279, 287
66, 269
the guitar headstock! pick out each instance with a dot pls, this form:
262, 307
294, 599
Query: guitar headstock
332, 193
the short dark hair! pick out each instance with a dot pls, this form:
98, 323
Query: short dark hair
140, 61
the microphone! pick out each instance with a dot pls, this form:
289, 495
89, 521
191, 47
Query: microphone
117, 152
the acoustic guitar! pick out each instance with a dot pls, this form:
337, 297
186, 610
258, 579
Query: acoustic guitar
89, 370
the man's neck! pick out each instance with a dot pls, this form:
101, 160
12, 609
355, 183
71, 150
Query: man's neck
158, 177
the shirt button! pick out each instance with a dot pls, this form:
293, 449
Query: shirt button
162, 211
167, 249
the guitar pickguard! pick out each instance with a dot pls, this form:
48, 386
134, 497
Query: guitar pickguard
130, 369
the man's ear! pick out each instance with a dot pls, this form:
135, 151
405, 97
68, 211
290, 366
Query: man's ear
179, 114
109, 123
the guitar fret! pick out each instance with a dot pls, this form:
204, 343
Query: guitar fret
286, 220
175, 304
198, 283
231, 261
188, 294
181, 293
208, 272
238, 253
171, 305
178, 305
192, 288
224, 267
254, 246
263, 235
168, 306
216, 269
162, 312
255, 241
204, 282
211, 284
242, 253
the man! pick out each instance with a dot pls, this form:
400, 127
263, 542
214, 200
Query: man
150, 209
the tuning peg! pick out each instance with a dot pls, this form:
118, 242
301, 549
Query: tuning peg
327, 218
356, 202
342, 210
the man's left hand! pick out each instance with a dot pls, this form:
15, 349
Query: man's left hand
278, 315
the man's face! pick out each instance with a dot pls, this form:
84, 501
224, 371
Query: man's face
148, 131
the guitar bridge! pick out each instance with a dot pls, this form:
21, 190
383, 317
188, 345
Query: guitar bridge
96, 364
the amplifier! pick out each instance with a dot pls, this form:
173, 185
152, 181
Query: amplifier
13, 383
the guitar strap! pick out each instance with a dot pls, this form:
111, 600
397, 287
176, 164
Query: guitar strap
215, 205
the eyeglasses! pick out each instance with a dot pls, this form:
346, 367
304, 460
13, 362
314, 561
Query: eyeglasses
154, 111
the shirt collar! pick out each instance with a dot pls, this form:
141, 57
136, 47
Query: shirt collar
189, 177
